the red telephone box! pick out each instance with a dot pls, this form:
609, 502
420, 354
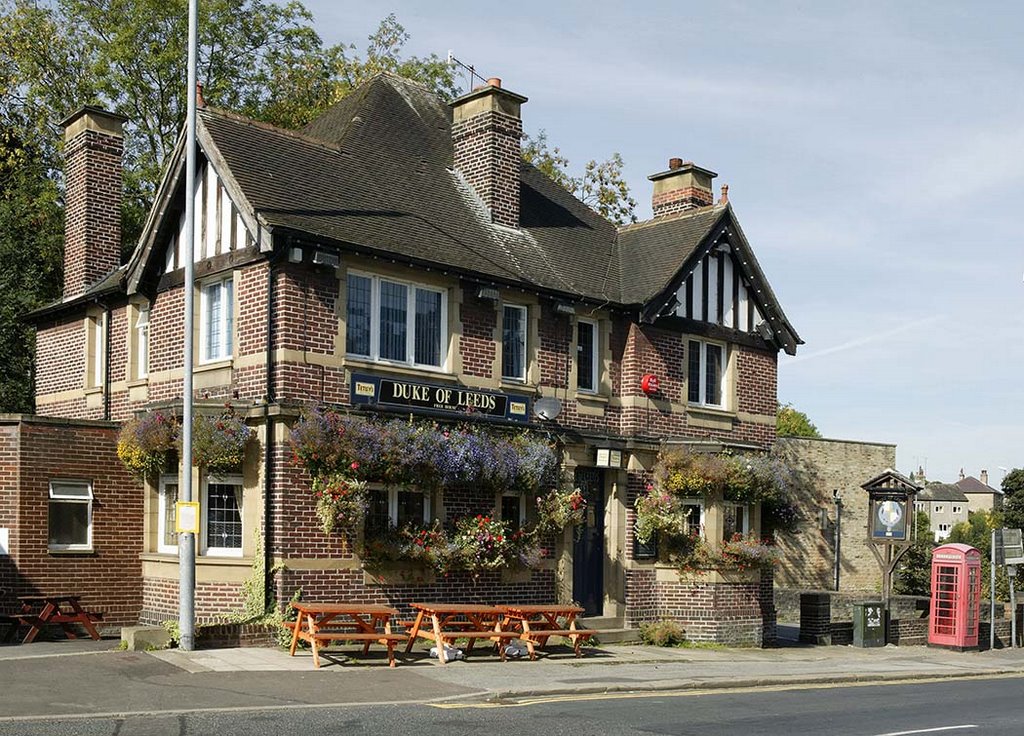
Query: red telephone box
956, 597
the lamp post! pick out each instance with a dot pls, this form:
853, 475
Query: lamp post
838, 500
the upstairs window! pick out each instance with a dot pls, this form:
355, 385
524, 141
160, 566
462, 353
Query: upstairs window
394, 321
69, 522
513, 343
96, 351
217, 320
586, 356
142, 343
706, 373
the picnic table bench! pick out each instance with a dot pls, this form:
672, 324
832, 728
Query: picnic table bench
321, 623
451, 621
39, 611
536, 624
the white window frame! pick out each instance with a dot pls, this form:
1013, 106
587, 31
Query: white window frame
410, 322
142, 342
702, 385
393, 492
161, 524
54, 495
207, 550
957, 509
745, 512
522, 506
525, 324
226, 324
937, 509
699, 502
595, 373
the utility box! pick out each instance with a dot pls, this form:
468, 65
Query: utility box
869, 624
956, 597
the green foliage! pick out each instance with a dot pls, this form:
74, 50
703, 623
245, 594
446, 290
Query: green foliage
663, 633
601, 186
31, 242
977, 532
341, 501
792, 423
560, 508
1013, 482
913, 573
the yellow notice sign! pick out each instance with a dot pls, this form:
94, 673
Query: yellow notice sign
186, 517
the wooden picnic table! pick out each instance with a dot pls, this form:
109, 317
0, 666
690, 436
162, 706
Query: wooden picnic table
322, 623
38, 611
536, 624
451, 621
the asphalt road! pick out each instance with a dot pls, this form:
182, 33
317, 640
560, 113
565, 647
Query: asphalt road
971, 707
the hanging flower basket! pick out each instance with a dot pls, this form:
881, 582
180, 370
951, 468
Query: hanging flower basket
144, 443
749, 552
561, 508
341, 501
218, 443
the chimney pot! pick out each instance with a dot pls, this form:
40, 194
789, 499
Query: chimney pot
494, 82
200, 101
724, 199
675, 163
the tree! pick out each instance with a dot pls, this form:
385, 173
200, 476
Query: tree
792, 423
30, 250
913, 572
601, 185
1013, 482
256, 57
977, 532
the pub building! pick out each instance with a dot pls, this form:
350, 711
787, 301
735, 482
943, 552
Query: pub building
395, 258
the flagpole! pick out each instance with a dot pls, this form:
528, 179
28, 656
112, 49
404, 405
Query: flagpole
187, 540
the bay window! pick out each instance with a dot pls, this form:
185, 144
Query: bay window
395, 321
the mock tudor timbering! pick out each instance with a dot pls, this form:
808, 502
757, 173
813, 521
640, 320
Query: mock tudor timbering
350, 254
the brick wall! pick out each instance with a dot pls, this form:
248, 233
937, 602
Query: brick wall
477, 344
109, 577
680, 200
9, 475
92, 230
487, 153
808, 554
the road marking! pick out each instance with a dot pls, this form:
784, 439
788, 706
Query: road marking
626, 695
928, 730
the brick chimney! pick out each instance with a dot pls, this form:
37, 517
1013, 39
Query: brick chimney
93, 144
684, 186
487, 134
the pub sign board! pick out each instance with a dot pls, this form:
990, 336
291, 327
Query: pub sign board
368, 389
889, 517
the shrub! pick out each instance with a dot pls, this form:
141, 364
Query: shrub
663, 633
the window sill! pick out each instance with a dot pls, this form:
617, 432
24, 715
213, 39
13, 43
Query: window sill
66, 552
135, 383
213, 365
92, 390
398, 368
170, 557
594, 398
709, 417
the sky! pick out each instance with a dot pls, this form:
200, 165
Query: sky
874, 153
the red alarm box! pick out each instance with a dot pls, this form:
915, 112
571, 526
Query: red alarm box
649, 384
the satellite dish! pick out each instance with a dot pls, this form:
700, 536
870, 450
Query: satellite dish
547, 408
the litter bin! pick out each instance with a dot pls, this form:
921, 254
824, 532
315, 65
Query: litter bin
868, 624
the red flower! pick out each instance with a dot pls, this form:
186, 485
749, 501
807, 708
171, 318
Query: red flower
354, 466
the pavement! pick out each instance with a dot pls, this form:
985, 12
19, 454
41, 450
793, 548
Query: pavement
85, 678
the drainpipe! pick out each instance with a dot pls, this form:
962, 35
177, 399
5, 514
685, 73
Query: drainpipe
268, 420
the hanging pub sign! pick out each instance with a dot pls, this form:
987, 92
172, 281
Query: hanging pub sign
367, 389
891, 508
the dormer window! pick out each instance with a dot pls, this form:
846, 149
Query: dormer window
396, 322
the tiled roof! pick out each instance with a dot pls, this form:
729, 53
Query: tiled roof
971, 484
941, 492
382, 181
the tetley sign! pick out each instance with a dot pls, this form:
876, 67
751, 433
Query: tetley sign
367, 389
